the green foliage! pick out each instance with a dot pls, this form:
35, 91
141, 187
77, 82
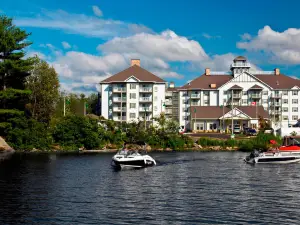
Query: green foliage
77, 131
26, 134
44, 84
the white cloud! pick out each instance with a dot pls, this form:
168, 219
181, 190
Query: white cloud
97, 11
280, 47
166, 46
66, 45
36, 53
90, 26
246, 36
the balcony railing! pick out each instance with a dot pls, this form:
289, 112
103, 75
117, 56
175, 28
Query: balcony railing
276, 112
240, 64
145, 99
118, 118
168, 102
255, 95
275, 104
195, 104
119, 89
119, 99
195, 95
169, 94
118, 109
168, 111
235, 95
275, 95
146, 89
145, 109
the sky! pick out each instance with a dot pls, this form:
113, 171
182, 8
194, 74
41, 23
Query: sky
88, 41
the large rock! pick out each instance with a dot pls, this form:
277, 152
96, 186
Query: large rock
4, 146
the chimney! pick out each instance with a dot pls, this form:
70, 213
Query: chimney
207, 71
172, 85
213, 85
277, 71
135, 62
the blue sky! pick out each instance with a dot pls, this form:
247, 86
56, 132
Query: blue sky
87, 41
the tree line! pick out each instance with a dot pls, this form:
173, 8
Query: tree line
34, 114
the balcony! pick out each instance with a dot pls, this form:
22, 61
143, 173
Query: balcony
119, 99
236, 95
118, 118
275, 112
145, 99
168, 102
119, 109
168, 112
275, 95
195, 95
275, 104
169, 94
254, 95
145, 109
119, 89
146, 89
195, 103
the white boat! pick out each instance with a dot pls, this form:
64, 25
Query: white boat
272, 157
131, 159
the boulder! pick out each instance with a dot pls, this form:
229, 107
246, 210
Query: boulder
4, 146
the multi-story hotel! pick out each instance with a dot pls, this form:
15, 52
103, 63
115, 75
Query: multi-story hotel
212, 101
132, 94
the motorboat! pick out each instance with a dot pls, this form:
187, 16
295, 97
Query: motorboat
290, 144
271, 157
132, 159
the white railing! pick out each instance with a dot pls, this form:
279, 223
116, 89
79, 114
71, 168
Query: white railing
118, 109
145, 109
236, 95
145, 99
255, 95
168, 102
169, 94
240, 64
220, 73
146, 89
263, 72
274, 95
119, 99
195, 95
119, 89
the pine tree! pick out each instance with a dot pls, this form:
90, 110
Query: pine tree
14, 68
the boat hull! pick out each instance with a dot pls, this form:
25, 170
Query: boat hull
141, 163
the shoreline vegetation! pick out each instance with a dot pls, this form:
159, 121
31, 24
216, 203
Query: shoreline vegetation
36, 117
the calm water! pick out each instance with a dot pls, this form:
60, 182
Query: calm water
185, 188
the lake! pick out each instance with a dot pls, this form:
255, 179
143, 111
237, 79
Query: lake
184, 188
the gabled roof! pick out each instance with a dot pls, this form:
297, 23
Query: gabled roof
136, 71
204, 81
279, 81
256, 87
235, 87
215, 112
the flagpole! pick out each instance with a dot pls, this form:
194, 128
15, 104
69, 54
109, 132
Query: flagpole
232, 112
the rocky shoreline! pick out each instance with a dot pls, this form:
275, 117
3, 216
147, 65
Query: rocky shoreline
5, 149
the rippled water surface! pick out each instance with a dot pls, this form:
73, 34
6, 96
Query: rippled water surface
184, 188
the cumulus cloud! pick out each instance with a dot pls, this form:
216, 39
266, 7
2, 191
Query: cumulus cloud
97, 11
281, 47
66, 45
36, 53
246, 36
166, 46
81, 24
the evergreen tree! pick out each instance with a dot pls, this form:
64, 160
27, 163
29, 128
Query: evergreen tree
14, 68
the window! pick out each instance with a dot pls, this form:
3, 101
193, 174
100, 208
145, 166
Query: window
185, 118
132, 95
285, 92
199, 126
132, 115
224, 92
285, 101
265, 92
185, 110
285, 118
294, 117
265, 101
285, 109
276, 92
294, 101
206, 93
244, 92
295, 109
205, 102
132, 105
132, 86
155, 88
295, 92
244, 101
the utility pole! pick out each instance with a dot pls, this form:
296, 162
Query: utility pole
232, 112
84, 108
